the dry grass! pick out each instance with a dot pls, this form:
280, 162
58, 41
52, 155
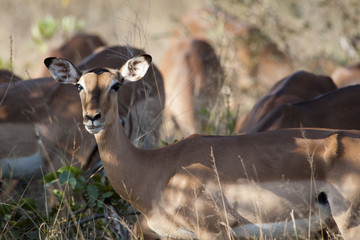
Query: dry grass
329, 230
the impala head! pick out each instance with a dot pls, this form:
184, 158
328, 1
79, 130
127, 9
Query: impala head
98, 87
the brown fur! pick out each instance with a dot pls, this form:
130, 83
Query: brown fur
345, 76
7, 76
255, 55
35, 104
145, 98
338, 109
75, 49
192, 79
298, 87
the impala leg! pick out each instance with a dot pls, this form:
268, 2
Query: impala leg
345, 208
349, 221
142, 231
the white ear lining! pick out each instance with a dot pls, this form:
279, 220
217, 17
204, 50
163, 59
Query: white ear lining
74, 74
135, 68
63, 70
124, 71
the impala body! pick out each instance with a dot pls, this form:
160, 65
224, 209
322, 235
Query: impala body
7, 76
38, 131
75, 49
338, 109
251, 54
192, 79
298, 87
345, 76
276, 184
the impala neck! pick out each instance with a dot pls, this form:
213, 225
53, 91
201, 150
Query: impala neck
125, 165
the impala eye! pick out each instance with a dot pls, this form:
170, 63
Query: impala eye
79, 87
116, 87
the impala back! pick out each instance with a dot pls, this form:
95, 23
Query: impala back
338, 109
298, 87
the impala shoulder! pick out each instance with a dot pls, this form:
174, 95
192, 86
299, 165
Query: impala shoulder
333, 148
341, 145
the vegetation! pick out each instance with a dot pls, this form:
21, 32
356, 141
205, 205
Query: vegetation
44, 29
80, 209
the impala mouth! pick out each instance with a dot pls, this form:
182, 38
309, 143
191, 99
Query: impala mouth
93, 129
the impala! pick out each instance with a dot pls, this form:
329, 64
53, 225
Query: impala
192, 78
338, 109
348, 75
246, 50
75, 49
277, 184
8, 76
297, 87
145, 99
38, 132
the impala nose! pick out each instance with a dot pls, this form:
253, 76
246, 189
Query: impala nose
93, 118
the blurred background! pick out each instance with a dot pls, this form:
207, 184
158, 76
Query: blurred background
306, 31
258, 42
30, 29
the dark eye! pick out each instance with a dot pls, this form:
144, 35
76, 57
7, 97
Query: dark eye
116, 87
79, 87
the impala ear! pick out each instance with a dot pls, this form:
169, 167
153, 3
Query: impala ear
135, 68
62, 70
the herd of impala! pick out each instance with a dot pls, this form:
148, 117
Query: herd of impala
295, 181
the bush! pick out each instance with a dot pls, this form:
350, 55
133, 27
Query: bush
81, 209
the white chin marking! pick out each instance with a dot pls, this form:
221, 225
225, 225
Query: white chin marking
93, 129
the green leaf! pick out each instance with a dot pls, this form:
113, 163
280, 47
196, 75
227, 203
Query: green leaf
68, 23
72, 181
28, 204
107, 194
47, 27
67, 176
164, 143
93, 191
58, 193
63, 169
50, 177
100, 204
80, 184
96, 178
6, 209
74, 170
203, 113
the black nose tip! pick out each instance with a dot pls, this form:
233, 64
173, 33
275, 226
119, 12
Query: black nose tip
93, 118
